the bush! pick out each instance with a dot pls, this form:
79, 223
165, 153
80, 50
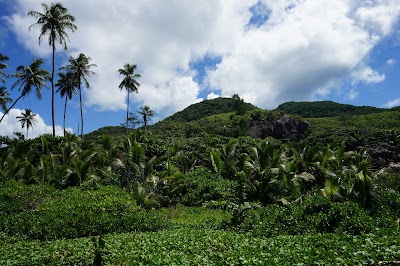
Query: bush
76, 213
315, 215
200, 186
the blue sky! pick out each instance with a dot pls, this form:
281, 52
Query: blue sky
268, 52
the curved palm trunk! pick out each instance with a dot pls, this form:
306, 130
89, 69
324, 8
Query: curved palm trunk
52, 91
27, 128
80, 100
127, 111
65, 111
8, 110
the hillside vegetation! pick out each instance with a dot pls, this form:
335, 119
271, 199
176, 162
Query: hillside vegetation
203, 192
207, 108
326, 109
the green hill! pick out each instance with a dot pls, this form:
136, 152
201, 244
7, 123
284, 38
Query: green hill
326, 109
207, 108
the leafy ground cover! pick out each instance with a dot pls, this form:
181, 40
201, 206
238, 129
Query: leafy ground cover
205, 247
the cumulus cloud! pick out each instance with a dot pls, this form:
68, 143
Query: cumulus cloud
212, 95
367, 75
391, 62
294, 51
10, 124
393, 103
305, 48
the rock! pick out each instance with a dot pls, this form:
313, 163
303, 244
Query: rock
394, 167
285, 127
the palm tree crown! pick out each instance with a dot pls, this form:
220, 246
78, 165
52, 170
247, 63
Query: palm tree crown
130, 84
146, 113
80, 67
54, 22
27, 118
4, 99
2, 66
29, 77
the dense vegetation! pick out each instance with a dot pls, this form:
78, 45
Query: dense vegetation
326, 109
195, 189
208, 108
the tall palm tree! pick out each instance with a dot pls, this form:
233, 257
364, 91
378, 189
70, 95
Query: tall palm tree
27, 118
2, 66
54, 21
80, 67
67, 84
29, 77
4, 99
130, 84
147, 114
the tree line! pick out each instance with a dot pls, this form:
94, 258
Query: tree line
54, 22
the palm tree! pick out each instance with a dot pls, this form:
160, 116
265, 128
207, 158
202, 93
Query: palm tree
4, 99
27, 118
54, 21
147, 114
130, 84
67, 85
80, 67
29, 77
2, 66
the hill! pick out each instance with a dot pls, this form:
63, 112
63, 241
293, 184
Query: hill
208, 108
326, 109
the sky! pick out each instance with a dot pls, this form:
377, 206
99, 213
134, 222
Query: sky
268, 52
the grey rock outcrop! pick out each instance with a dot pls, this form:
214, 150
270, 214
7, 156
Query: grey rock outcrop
285, 127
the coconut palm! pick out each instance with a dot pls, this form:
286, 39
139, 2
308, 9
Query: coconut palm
67, 85
54, 21
80, 67
2, 66
27, 119
130, 84
29, 77
146, 114
4, 99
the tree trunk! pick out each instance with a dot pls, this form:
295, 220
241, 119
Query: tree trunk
127, 116
52, 91
65, 111
8, 110
80, 100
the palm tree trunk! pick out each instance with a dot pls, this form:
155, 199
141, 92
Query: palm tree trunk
65, 111
27, 128
127, 116
145, 122
80, 100
8, 110
52, 90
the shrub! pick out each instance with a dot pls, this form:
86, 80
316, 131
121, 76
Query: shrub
76, 213
200, 186
315, 215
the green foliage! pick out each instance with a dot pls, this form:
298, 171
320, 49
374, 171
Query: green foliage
326, 109
75, 213
189, 246
200, 186
315, 215
207, 108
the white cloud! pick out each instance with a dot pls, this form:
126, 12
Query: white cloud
367, 75
212, 95
391, 62
352, 94
393, 103
305, 47
10, 124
